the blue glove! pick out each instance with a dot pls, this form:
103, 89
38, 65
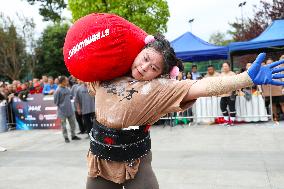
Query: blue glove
261, 75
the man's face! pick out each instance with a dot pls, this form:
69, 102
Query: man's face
147, 65
44, 78
65, 82
15, 82
50, 81
35, 80
269, 61
210, 70
10, 88
24, 86
193, 69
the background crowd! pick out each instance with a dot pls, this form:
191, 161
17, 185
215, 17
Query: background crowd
47, 85
228, 100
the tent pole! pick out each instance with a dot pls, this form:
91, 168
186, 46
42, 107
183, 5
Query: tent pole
232, 61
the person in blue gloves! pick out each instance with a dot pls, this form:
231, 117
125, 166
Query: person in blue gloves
119, 155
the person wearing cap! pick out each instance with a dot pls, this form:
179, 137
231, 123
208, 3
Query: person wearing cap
36, 89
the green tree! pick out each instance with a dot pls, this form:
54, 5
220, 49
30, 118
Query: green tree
49, 51
249, 28
150, 15
219, 38
28, 29
13, 55
50, 9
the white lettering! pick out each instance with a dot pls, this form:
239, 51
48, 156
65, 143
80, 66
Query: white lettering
90, 39
98, 36
106, 32
103, 35
34, 108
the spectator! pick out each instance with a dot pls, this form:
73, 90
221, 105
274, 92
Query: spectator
248, 91
228, 99
36, 89
194, 74
2, 92
72, 80
56, 81
188, 75
24, 92
14, 89
44, 80
35, 80
10, 93
50, 87
269, 61
85, 105
179, 77
211, 72
18, 86
183, 76
79, 117
248, 65
30, 84
277, 96
10, 89
62, 98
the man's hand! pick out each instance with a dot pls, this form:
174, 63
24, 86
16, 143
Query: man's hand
51, 92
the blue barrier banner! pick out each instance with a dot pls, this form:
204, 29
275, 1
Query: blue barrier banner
37, 112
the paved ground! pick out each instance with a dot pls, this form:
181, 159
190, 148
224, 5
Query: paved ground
249, 156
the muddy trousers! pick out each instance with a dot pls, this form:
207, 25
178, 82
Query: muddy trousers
144, 179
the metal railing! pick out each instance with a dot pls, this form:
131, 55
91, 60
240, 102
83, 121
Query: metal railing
206, 109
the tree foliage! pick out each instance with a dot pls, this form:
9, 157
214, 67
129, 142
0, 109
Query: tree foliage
50, 9
150, 15
219, 38
13, 54
49, 51
243, 30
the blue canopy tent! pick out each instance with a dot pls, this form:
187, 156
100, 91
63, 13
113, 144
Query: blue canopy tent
271, 39
189, 47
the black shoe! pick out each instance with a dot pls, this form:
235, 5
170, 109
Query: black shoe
75, 138
67, 140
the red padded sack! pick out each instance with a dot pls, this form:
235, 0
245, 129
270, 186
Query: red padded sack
101, 47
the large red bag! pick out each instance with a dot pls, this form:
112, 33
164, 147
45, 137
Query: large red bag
101, 47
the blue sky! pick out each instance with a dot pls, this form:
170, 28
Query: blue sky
209, 16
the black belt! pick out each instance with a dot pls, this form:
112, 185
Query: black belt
119, 145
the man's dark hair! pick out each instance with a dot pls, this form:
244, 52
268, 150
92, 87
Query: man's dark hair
210, 66
61, 79
194, 66
163, 46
